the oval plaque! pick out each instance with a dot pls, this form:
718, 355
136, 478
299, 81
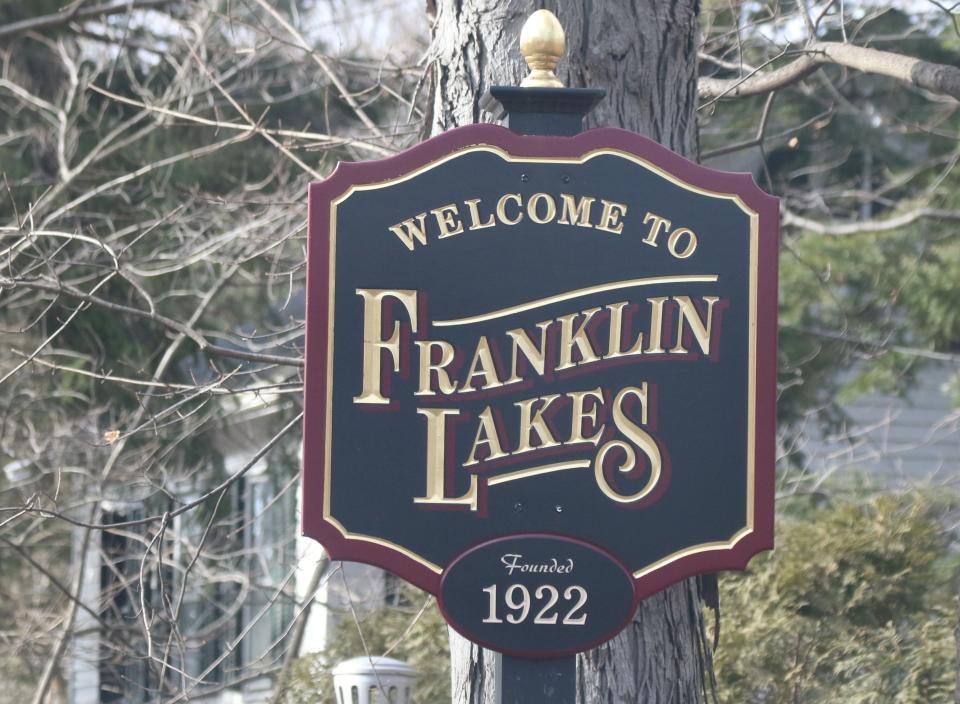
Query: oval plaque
537, 595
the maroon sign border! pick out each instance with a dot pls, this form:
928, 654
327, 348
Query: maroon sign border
349, 174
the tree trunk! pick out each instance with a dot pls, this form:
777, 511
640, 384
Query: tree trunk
643, 52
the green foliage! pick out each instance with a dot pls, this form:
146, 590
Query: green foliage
849, 147
932, 295
854, 606
395, 631
852, 286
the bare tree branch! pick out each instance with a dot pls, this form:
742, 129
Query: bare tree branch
839, 229
757, 139
174, 325
324, 66
313, 137
77, 13
937, 78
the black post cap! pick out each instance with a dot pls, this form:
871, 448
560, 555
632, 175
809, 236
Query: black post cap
543, 111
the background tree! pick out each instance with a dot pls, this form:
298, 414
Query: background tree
612, 45
153, 158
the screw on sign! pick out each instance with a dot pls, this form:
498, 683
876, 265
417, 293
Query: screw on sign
540, 371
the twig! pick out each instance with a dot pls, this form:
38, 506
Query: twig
220, 124
325, 67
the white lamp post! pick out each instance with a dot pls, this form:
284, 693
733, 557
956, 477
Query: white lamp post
373, 680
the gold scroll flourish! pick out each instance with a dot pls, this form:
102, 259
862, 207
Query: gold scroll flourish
568, 295
534, 471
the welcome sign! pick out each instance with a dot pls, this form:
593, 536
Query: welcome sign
540, 376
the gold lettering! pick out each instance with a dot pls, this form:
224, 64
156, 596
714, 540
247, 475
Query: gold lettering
700, 330
532, 208
373, 342
436, 492
522, 343
502, 208
482, 365
658, 224
579, 415
610, 217
446, 216
475, 223
535, 423
486, 435
616, 334
447, 353
569, 338
643, 440
575, 212
675, 238
656, 325
408, 231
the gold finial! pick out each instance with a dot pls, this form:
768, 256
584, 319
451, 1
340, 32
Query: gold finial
542, 43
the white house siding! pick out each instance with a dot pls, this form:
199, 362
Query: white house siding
894, 440
82, 661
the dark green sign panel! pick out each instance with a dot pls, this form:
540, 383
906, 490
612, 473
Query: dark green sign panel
511, 336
